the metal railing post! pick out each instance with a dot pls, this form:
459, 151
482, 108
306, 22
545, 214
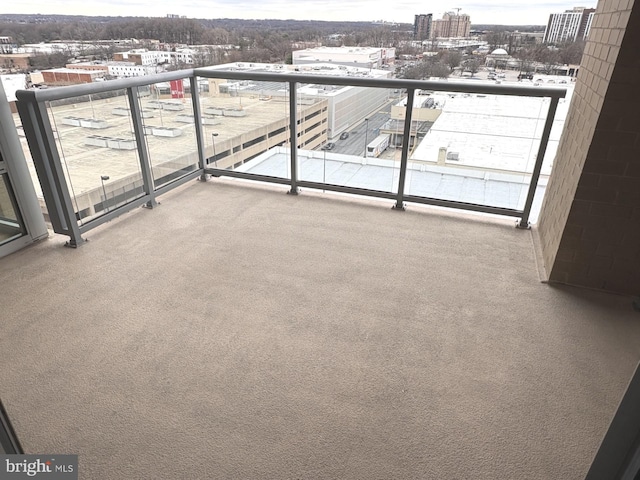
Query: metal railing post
197, 117
404, 157
542, 149
143, 151
293, 132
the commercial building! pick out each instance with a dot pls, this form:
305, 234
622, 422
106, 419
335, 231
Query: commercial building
11, 84
451, 25
361, 57
15, 61
426, 110
149, 58
569, 26
422, 26
71, 76
7, 44
117, 69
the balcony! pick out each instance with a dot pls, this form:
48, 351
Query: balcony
253, 334
239, 332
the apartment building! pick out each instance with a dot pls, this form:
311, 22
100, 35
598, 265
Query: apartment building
451, 25
422, 26
569, 26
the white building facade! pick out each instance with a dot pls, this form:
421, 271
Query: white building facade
569, 26
150, 58
362, 57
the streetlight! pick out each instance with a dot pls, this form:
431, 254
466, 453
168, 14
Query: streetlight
366, 136
236, 87
103, 178
213, 141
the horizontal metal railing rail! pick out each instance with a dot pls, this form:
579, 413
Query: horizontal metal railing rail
32, 107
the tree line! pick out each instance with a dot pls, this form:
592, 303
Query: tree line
260, 40
252, 40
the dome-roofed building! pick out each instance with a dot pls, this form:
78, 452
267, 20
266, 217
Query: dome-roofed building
499, 58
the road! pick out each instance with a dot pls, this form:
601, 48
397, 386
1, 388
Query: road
355, 144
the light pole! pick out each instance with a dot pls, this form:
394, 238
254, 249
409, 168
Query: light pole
238, 95
104, 191
366, 136
213, 141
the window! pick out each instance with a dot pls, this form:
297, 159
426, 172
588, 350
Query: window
253, 142
277, 132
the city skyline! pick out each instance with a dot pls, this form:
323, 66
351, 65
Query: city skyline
499, 12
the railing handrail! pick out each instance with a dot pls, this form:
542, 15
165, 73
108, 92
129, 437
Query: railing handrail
394, 83
59, 93
70, 91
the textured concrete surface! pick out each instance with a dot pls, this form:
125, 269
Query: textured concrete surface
238, 332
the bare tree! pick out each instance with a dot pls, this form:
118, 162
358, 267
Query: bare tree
452, 58
472, 66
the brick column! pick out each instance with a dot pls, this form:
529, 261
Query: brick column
589, 227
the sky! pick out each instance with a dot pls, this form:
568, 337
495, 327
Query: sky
499, 12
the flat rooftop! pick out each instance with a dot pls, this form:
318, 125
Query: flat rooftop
447, 183
494, 131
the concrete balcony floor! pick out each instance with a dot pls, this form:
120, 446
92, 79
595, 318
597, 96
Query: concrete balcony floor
238, 332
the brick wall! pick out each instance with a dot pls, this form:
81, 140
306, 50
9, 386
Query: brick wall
589, 226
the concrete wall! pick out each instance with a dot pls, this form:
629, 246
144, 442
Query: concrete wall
590, 221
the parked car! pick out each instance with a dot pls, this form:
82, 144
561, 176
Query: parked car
344, 135
328, 146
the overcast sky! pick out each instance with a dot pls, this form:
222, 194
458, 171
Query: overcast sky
502, 12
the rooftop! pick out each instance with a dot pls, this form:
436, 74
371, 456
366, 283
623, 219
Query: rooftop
445, 182
494, 131
238, 330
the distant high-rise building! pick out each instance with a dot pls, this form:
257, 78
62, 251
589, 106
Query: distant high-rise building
569, 26
422, 26
451, 25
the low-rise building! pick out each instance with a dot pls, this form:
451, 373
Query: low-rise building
7, 44
71, 76
363, 57
14, 62
150, 58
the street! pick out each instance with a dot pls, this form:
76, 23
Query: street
359, 135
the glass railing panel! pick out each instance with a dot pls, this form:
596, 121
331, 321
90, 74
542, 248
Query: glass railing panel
11, 226
169, 128
477, 148
95, 141
246, 126
356, 148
